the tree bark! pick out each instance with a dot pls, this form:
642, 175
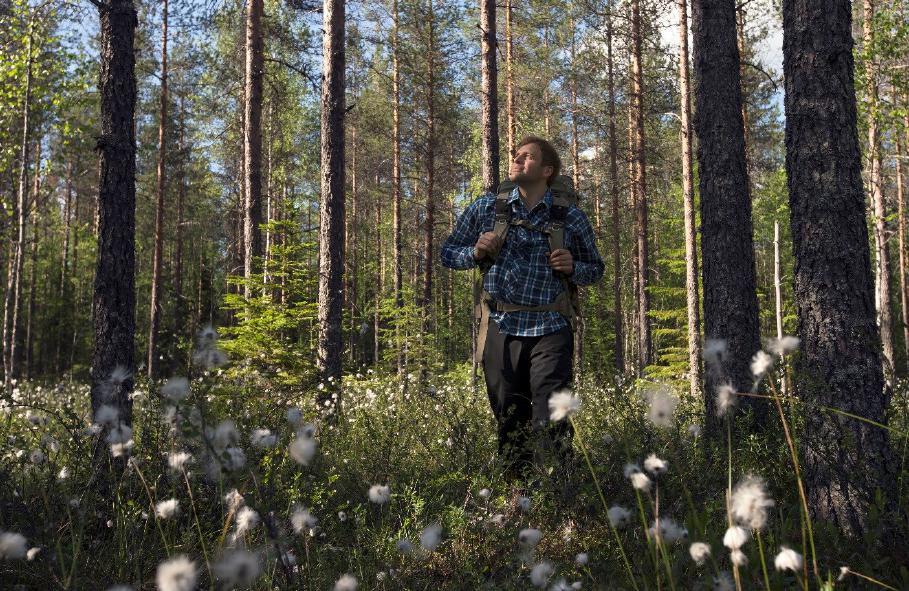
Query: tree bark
252, 144
36, 207
155, 305
509, 77
397, 244
619, 345
490, 96
430, 203
730, 299
640, 189
839, 366
692, 297
876, 187
901, 214
179, 298
331, 209
114, 300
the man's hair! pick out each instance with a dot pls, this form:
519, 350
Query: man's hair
550, 156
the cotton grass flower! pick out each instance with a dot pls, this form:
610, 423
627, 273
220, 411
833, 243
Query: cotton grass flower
760, 363
735, 537
177, 460
247, 520
234, 500
302, 450
37, 457
562, 404
431, 537
723, 582
738, 558
177, 574
640, 481
32, 553
783, 346
726, 398
529, 537
238, 568
175, 389
379, 494
540, 573
789, 559
750, 503
629, 469
669, 531
302, 520
715, 351
655, 465
13, 546
404, 546
346, 583
107, 415
581, 559
699, 552
294, 416
262, 438
661, 405
524, 503
484, 493
167, 509
618, 516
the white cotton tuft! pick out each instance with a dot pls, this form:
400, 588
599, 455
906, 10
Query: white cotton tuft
726, 399
750, 502
640, 481
618, 516
629, 469
540, 574
715, 351
655, 465
346, 583
789, 559
485, 493
723, 582
783, 346
247, 520
760, 363
379, 494
735, 537
738, 558
177, 574
302, 520
177, 460
669, 531
699, 552
238, 568
562, 404
175, 389
662, 404
234, 500
294, 416
302, 450
529, 537
13, 546
524, 503
404, 546
430, 537
262, 438
107, 415
581, 559
167, 509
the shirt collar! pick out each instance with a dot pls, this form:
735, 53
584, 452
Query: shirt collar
516, 196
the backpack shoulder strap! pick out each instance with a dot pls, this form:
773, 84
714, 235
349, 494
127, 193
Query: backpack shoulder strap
557, 215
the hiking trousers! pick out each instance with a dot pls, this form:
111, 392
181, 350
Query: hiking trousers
521, 373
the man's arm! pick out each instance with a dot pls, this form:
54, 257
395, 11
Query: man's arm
588, 265
457, 250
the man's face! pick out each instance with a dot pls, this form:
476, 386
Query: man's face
527, 165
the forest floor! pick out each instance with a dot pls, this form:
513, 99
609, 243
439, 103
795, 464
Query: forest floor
310, 509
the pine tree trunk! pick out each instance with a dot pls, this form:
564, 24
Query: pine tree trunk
331, 210
876, 186
490, 96
430, 203
11, 303
901, 205
740, 43
36, 207
692, 296
114, 301
619, 345
839, 364
252, 144
397, 244
730, 299
63, 291
509, 77
640, 188
155, 304
179, 298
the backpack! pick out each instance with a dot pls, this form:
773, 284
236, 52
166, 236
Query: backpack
567, 302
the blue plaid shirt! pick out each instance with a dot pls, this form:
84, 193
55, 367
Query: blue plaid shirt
521, 273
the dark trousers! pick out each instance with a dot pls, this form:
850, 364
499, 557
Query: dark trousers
521, 373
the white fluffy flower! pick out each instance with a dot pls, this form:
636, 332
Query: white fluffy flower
735, 537
540, 574
789, 559
485, 493
178, 460
630, 468
302, 450
247, 520
167, 509
107, 415
37, 456
760, 363
715, 351
294, 416
738, 558
750, 502
618, 516
302, 520
784, 346
723, 582
234, 500
563, 404
379, 494
262, 438
699, 552
346, 583
225, 434
238, 568
640, 481
669, 532
662, 404
13, 546
32, 553
175, 389
430, 537
176, 574
581, 559
726, 399
404, 546
655, 465
529, 537
524, 503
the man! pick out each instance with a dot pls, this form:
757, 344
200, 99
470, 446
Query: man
528, 348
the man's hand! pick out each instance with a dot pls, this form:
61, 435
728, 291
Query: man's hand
487, 245
561, 260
